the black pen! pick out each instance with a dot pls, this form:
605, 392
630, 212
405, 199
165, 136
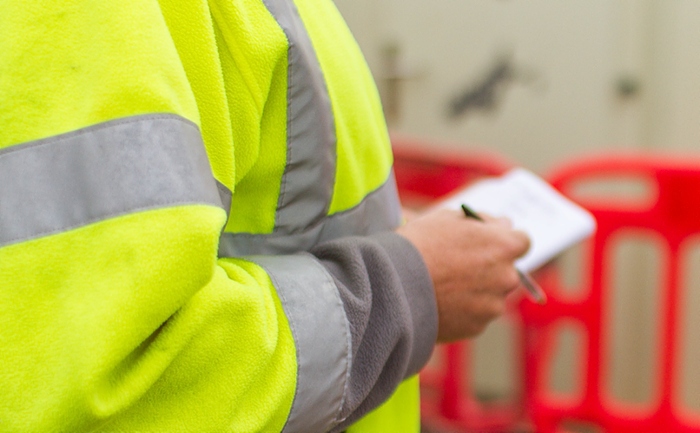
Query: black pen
535, 291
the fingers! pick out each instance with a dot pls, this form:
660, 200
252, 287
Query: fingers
467, 316
510, 280
471, 265
521, 239
521, 243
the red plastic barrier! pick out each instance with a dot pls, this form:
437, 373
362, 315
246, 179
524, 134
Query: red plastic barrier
670, 209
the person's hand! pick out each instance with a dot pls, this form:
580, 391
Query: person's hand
471, 265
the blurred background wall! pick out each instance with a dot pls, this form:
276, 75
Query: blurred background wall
580, 75
541, 81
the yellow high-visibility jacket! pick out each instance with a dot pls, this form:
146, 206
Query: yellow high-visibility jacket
196, 215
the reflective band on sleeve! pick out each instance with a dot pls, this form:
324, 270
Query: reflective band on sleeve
322, 339
226, 197
379, 211
307, 183
114, 168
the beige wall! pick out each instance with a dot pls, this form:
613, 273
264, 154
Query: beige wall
572, 55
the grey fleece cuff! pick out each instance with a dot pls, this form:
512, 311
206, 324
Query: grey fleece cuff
420, 295
389, 301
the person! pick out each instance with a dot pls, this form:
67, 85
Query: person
199, 227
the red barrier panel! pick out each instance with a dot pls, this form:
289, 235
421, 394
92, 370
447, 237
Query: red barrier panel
670, 209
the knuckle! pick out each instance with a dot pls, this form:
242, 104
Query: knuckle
511, 279
519, 243
524, 240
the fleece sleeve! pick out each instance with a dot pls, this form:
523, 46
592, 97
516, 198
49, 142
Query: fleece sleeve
392, 314
385, 297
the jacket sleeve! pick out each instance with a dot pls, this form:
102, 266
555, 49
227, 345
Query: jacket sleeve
391, 310
116, 313
376, 287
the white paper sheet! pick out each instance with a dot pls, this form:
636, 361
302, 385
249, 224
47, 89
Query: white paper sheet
553, 222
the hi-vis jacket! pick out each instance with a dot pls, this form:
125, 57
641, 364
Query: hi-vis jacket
181, 186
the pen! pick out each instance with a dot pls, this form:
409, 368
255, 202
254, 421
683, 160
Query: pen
534, 289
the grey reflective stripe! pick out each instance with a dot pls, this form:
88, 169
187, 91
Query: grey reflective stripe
225, 195
114, 168
307, 184
322, 340
379, 211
